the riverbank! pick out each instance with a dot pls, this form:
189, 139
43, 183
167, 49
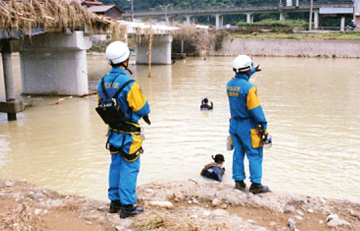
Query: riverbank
187, 205
289, 48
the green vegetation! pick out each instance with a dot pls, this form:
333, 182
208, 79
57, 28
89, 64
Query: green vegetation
265, 26
184, 4
271, 23
169, 5
267, 34
219, 38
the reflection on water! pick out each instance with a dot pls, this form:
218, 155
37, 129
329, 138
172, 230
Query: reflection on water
311, 105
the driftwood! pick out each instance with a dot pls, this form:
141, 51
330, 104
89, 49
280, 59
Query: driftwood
54, 15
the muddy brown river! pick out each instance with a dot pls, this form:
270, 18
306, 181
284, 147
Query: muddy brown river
311, 104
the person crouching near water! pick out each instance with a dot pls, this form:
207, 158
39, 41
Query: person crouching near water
205, 104
214, 170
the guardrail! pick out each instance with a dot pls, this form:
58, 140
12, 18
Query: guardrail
256, 5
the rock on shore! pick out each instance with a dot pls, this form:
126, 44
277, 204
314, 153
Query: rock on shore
174, 206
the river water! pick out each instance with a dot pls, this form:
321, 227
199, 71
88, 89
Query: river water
311, 104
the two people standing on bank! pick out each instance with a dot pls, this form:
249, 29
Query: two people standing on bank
124, 139
248, 126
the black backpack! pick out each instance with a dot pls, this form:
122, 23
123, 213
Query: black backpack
109, 110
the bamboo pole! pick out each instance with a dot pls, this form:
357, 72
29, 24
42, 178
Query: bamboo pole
150, 46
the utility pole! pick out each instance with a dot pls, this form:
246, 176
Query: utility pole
132, 9
311, 12
166, 16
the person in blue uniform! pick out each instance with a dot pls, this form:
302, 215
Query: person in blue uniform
351, 26
124, 139
205, 104
214, 170
248, 126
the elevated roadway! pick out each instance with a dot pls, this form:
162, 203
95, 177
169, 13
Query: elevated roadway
340, 8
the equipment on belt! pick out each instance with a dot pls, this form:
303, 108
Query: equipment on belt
265, 137
109, 110
229, 143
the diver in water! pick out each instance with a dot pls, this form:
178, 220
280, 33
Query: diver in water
214, 170
205, 104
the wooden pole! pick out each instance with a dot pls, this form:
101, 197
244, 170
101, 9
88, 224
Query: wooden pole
311, 13
8, 76
150, 46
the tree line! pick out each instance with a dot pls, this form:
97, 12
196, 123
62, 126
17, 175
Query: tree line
184, 4
141, 5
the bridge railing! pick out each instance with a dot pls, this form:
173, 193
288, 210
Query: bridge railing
248, 4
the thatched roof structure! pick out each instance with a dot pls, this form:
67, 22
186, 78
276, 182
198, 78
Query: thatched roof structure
53, 15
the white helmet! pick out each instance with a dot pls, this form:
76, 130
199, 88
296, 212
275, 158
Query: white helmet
242, 63
117, 52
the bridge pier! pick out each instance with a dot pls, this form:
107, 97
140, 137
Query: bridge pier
249, 17
316, 19
282, 16
219, 22
55, 63
189, 20
342, 23
11, 106
160, 50
357, 13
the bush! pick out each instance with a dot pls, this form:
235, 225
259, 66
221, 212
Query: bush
270, 23
219, 37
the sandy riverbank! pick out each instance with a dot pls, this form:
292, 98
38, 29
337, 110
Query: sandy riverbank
174, 206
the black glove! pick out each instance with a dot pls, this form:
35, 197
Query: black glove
257, 68
147, 120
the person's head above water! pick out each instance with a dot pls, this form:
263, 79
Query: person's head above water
218, 158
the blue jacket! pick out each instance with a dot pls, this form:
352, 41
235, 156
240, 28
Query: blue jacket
213, 171
131, 99
243, 99
133, 104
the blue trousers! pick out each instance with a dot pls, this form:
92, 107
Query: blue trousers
122, 179
240, 134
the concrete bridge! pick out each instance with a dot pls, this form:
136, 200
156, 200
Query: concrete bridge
53, 57
284, 7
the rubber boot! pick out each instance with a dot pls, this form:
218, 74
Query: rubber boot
115, 206
130, 210
257, 188
240, 185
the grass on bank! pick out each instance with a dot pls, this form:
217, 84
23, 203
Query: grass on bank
288, 29
266, 34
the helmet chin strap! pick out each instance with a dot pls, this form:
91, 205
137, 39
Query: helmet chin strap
126, 68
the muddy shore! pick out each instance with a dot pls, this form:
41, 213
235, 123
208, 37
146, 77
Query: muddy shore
185, 205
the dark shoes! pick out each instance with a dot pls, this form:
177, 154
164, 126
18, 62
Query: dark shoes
240, 185
256, 188
115, 206
130, 210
